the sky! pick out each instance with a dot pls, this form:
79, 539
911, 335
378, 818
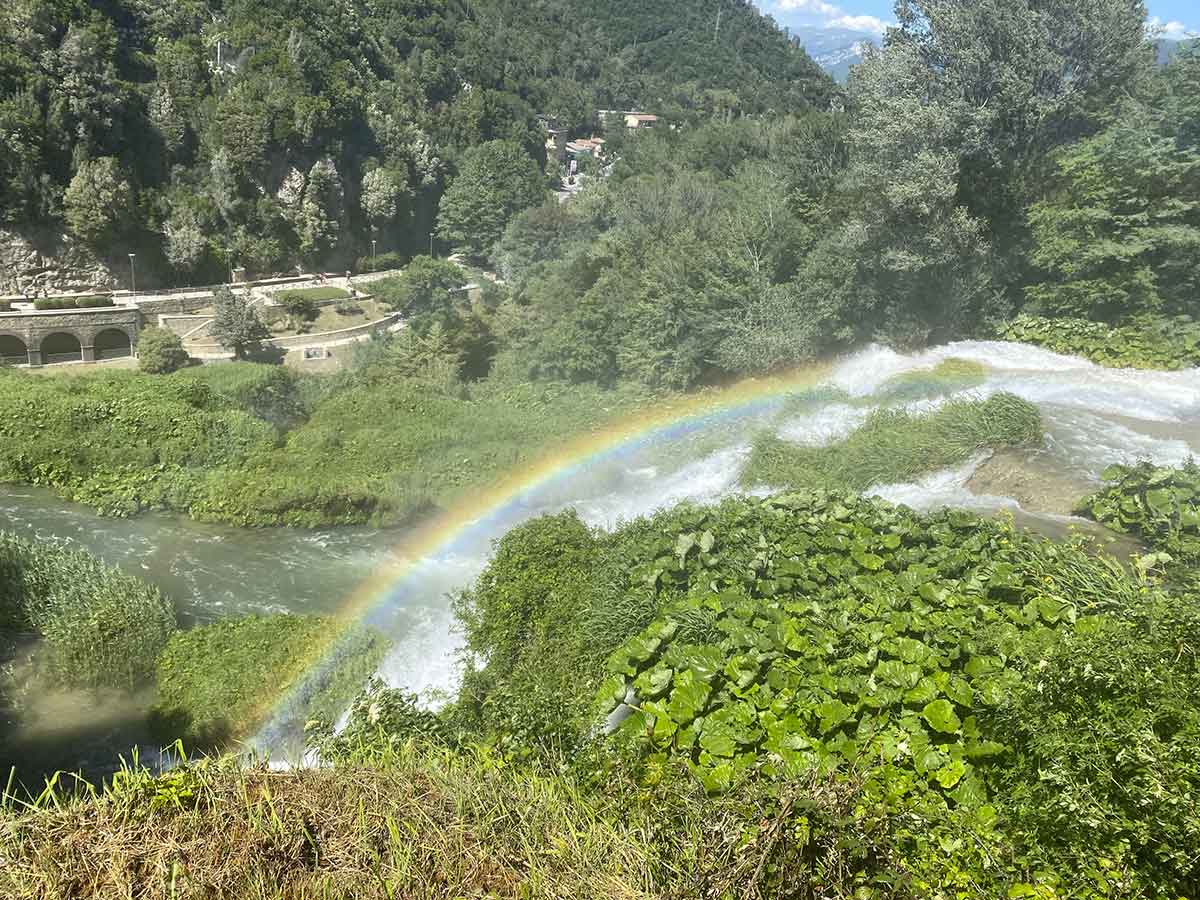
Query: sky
1175, 18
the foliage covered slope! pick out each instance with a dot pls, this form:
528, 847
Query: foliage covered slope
258, 445
980, 690
199, 133
827, 697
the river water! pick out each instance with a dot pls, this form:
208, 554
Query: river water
1093, 417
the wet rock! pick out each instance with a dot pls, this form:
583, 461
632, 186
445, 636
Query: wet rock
1025, 477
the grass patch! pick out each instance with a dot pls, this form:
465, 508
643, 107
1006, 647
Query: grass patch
217, 682
386, 451
894, 446
101, 627
334, 318
418, 825
315, 294
947, 377
258, 445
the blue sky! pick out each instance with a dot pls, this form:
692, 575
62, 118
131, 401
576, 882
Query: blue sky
1176, 18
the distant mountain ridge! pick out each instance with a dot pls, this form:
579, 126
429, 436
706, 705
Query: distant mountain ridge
835, 49
1167, 49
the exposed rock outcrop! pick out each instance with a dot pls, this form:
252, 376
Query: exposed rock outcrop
50, 262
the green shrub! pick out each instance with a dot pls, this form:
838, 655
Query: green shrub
938, 695
102, 628
91, 302
381, 263
422, 288
895, 446
1003, 691
298, 306
1144, 342
160, 351
1160, 505
216, 683
251, 444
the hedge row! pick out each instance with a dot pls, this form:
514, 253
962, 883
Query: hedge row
92, 302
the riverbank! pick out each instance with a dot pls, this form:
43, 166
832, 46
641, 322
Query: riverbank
257, 446
830, 691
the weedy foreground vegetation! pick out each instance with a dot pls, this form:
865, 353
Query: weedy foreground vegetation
820, 695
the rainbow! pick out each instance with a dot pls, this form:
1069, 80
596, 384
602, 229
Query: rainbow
502, 503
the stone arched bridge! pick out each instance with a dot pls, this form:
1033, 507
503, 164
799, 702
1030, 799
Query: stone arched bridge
54, 336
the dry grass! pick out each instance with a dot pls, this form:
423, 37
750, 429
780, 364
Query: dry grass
423, 826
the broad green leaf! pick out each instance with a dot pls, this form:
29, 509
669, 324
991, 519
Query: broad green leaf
941, 716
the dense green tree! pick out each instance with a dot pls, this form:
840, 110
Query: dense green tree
423, 288
537, 236
497, 180
99, 202
236, 324
321, 211
160, 351
1121, 232
229, 99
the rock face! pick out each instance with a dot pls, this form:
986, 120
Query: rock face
1013, 473
50, 262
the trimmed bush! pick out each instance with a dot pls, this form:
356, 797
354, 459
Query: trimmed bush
102, 628
160, 351
93, 302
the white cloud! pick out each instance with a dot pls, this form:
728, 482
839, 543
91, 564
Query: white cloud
860, 23
827, 15
816, 7
1172, 31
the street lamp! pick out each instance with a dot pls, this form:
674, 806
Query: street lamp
431, 245
373, 243
229, 260
132, 275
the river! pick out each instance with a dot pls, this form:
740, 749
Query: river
1093, 417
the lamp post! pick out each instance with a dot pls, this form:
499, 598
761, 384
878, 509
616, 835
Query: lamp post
229, 260
373, 243
431, 245
132, 275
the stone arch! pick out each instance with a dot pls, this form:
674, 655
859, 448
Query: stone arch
13, 350
112, 343
60, 347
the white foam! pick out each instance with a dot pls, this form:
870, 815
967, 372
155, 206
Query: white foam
824, 426
1081, 404
946, 488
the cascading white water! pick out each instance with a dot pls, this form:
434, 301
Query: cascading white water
1093, 418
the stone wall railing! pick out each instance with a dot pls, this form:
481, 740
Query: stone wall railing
295, 342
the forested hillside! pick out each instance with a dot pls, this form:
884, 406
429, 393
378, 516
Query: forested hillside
199, 133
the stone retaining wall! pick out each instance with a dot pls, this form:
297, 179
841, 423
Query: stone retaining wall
33, 328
